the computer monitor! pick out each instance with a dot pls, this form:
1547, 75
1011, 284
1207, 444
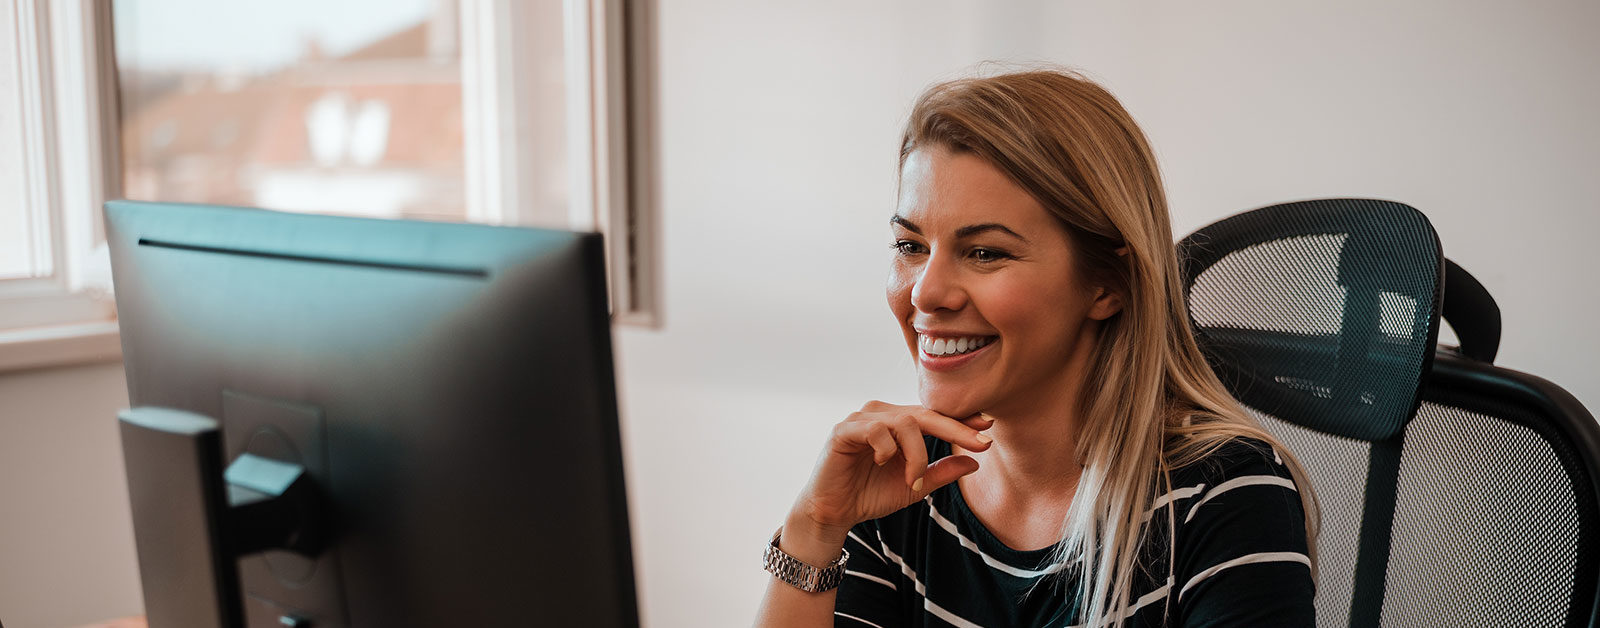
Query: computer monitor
343, 422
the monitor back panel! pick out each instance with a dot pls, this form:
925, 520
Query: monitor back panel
449, 386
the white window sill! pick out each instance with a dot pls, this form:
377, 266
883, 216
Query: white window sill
62, 345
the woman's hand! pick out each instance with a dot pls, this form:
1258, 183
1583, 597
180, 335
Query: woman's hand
876, 463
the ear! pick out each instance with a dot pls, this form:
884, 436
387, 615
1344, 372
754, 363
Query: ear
1106, 304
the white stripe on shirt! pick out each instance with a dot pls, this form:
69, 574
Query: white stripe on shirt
948, 616
839, 614
1238, 482
1161, 593
1174, 495
1247, 559
1157, 504
906, 571
993, 563
927, 604
1144, 600
852, 536
871, 577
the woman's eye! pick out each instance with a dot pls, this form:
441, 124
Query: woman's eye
988, 255
907, 247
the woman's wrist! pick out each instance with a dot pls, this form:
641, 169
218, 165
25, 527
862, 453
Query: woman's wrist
812, 543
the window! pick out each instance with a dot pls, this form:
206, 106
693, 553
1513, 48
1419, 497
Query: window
24, 237
53, 129
496, 111
332, 106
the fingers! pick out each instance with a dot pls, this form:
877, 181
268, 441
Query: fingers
882, 439
944, 471
856, 437
905, 439
966, 433
908, 433
890, 430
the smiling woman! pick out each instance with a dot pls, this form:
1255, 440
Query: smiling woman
1073, 460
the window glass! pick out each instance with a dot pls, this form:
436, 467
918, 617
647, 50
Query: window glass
23, 253
334, 106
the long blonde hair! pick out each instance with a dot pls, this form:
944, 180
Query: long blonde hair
1151, 404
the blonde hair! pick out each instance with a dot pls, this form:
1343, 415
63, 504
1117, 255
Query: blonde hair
1152, 404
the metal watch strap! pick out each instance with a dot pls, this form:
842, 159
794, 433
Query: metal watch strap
801, 575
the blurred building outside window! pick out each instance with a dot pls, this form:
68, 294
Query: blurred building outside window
496, 111
341, 106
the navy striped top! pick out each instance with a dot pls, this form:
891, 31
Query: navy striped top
1240, 558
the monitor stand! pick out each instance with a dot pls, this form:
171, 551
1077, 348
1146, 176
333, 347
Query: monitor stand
193, 520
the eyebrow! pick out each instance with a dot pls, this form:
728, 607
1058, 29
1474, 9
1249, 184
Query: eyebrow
967, 231
897, 219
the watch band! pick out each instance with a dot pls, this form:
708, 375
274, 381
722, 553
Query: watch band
801, 575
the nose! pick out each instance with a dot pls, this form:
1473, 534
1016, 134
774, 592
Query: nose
938, 287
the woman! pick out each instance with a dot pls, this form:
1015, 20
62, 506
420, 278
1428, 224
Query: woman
1073, 460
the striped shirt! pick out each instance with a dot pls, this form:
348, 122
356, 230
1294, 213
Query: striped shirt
1240, 558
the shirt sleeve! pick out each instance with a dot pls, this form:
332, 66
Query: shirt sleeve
870, 593
1242, 556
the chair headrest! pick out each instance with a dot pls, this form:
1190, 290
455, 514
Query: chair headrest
1322, 312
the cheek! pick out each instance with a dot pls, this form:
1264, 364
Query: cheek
1043, 318
898, 292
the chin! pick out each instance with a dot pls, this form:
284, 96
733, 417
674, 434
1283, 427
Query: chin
955, 406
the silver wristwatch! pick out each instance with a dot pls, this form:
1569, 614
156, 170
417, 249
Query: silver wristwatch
800, 575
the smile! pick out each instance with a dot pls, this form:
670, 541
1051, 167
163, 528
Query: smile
952, 346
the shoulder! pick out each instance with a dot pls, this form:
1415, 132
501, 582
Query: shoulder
1239, 494
1238, 463
1241, 482
1242, 546
1234, 457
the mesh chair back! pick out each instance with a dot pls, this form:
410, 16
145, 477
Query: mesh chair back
1453, 492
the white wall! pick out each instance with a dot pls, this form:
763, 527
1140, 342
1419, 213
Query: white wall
778, 134
66, 544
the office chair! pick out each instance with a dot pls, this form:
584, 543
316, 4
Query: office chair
1453, 492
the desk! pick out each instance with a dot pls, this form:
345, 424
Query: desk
126, 622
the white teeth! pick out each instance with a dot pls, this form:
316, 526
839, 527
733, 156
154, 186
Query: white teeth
953, 346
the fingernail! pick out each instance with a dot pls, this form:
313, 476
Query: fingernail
984, 438
881, 462
916, 487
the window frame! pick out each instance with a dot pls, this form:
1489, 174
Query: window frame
72, 156
622, 170
62, 51
612, 177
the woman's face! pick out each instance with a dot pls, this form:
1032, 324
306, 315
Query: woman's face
986, 290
